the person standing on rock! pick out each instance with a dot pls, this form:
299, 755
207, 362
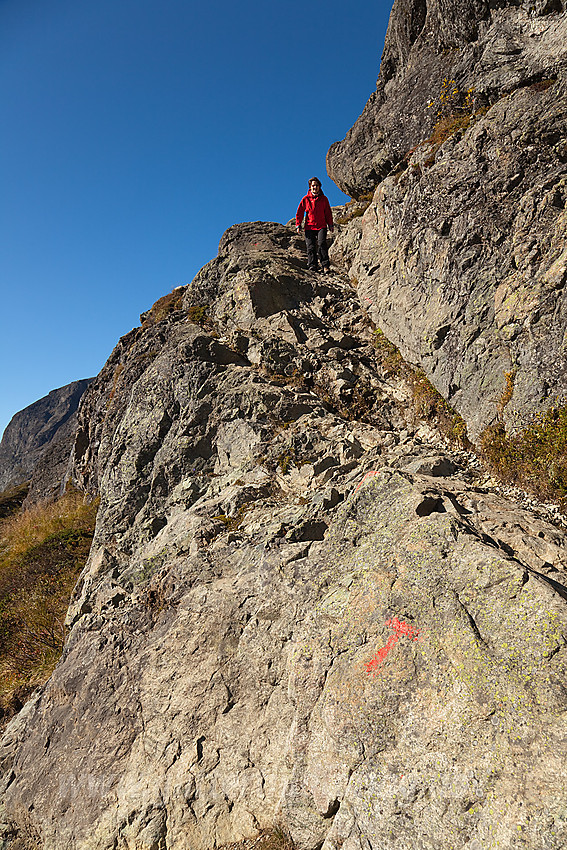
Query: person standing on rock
316, 209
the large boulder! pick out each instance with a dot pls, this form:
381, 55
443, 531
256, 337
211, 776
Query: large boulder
484, 49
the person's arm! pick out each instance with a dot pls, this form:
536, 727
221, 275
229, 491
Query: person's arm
299, 214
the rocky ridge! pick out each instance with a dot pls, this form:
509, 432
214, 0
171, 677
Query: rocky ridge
301, 607
38, 440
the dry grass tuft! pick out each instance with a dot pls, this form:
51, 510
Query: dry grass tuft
355, 208
164, 307
11, 500
276, 838
197, 314
508, 390
543, 85
447, 126
32, 526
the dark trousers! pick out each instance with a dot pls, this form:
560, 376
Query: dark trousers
316, 241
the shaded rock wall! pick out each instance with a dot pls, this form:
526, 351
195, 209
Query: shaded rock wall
47, 426
288, 616
461, 255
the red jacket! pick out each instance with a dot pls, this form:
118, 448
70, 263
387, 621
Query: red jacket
317, 211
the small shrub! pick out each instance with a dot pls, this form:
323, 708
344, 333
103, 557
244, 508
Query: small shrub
276, 839
388, 354
455, 112
508, 390
197, 314
228, 521
146, 355
358, 208
535, 458
427, 400
452, 101
286, 461
232, 523
164, 307
457, 431
447, 126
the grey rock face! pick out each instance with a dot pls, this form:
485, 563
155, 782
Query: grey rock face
461, 254
298, 608
48, 425
489, 49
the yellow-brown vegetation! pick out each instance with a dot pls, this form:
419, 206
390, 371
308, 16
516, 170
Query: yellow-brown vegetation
534, 458
271, 839
197, 313
543, 85
508, 390
11, 500
164, 306
42, 551
115, 378
355, 208
455, 111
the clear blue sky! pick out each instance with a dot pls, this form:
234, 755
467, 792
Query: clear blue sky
134, 132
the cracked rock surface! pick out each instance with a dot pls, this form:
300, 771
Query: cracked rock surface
301, 607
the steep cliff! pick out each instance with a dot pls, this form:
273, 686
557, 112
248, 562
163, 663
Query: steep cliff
462, 252
38, 441
303, 611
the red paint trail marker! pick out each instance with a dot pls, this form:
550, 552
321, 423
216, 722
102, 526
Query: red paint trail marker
400, 628
372, 472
